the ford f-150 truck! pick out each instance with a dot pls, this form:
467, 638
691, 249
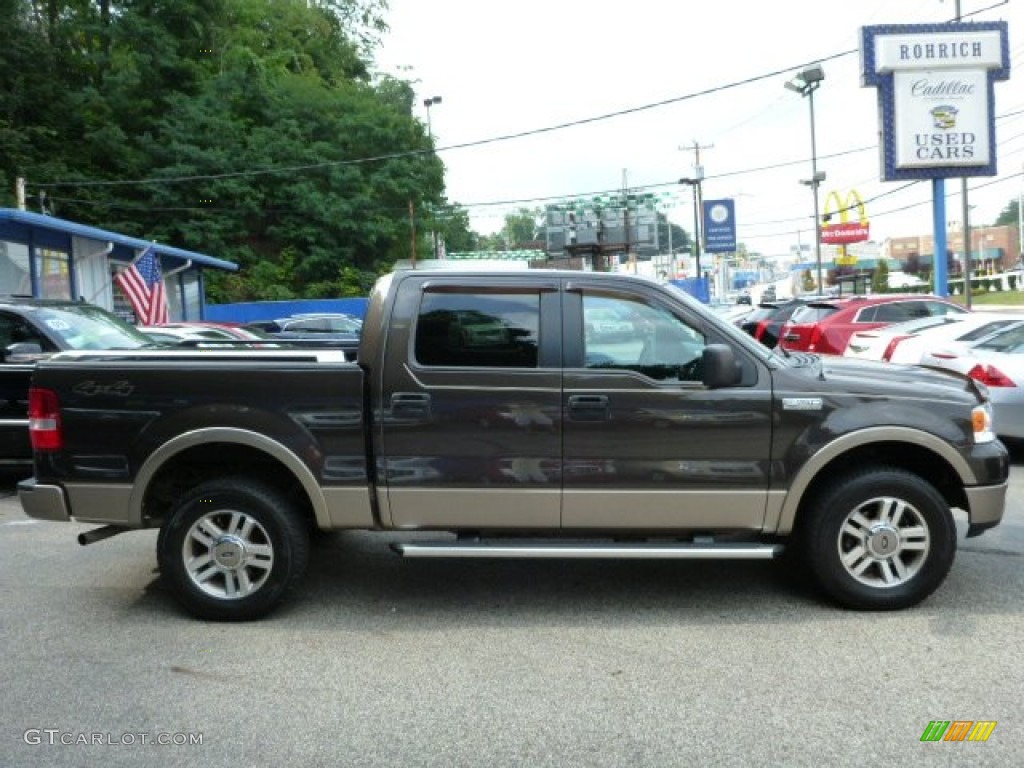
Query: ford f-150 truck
525, 436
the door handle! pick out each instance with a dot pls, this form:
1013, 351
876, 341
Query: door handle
410, 405
589, 407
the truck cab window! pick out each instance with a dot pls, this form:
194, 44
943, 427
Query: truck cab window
626, 334
491, 330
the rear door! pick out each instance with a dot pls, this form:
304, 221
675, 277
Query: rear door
647, 445
469, 413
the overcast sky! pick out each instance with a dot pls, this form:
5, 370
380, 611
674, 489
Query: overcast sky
683, 72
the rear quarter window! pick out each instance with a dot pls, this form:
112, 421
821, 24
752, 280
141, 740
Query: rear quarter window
812, 314
984, 330
1010, 341
896, 312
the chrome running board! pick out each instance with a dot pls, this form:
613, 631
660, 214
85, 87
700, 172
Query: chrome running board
582, 550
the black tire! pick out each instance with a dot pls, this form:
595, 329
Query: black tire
231, 548
879, 539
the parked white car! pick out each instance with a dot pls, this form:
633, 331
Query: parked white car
997, 361
899, 281
907, 342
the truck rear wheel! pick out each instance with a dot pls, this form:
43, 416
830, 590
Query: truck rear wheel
231, 548
880, 539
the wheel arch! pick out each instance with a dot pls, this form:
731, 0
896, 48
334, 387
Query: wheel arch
922, 453
159, 479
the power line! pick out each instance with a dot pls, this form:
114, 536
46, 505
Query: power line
418, 152
491, 140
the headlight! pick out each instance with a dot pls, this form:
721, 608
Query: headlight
981, 420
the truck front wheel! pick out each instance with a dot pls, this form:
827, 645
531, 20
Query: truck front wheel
880, 539
231, 548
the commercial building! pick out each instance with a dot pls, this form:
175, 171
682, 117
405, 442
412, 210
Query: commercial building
993, 249
47, 257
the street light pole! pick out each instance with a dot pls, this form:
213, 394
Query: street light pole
967, 217
968, 266
806, 83
428, 103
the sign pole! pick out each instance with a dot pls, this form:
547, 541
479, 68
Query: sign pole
939, 266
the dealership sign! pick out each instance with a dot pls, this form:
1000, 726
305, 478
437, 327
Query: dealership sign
936, 96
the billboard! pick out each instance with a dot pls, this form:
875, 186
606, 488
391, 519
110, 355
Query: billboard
600, 223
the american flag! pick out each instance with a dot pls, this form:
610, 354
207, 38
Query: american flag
143, 284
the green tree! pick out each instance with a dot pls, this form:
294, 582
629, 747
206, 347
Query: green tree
248, 129
680, 239
880, 278
1009, 216
455, 228
494, 241
807, 281
521, 228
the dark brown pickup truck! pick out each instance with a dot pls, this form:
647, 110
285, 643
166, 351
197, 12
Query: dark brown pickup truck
519, 414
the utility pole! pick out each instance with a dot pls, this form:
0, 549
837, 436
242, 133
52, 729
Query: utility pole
435, 237
630, 260
698, 201
412, 231
696, 146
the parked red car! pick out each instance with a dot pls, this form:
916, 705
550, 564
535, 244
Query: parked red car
767, 319
825, 326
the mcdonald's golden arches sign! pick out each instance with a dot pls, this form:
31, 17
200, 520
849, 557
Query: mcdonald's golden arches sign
844, 231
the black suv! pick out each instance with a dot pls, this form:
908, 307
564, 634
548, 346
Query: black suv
34, 329
765, 321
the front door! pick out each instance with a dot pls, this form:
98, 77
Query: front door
647, 445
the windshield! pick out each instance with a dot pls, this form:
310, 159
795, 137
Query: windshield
88, 327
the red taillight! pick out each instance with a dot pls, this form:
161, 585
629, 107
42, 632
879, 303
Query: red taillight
759, 331
891, 346
44, 420
815, 338
990, 376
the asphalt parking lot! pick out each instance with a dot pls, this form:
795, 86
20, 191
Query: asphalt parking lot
378, 661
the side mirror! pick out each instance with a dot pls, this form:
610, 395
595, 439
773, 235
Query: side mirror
24, 352
721, 369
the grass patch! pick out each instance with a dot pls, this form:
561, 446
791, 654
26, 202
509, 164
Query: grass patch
1000, 298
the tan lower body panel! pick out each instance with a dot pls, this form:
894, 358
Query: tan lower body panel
456, 508
651, 510
349, 507
107, 503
